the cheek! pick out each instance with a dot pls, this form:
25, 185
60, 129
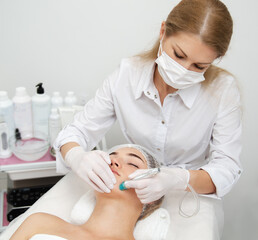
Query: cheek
169, 51
126, 172
130, 170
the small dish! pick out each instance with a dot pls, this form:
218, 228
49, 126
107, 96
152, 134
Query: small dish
30, 148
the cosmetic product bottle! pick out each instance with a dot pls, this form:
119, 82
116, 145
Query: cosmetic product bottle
4, 143
23, 112
41, 105
82, 99
6, 109
54, 125
56, 100
70, 99
66, 115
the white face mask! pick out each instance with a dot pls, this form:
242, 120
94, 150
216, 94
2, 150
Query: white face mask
174, 74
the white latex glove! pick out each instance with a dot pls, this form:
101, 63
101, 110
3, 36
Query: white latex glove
92, 167
153, 188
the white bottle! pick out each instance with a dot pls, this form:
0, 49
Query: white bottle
6, 109
54, 125
70, 99
41, 105
4, 144
23, 112
56, 100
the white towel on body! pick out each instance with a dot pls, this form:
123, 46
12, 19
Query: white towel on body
46, 237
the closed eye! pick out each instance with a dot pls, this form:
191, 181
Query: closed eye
133, 165
197, 66
177, 55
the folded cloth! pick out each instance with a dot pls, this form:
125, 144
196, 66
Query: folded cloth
83, 208
153, 227
46, 237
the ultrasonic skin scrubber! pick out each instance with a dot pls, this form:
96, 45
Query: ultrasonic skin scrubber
122, 186
151, 173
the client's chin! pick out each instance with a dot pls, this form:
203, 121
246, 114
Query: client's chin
128, 194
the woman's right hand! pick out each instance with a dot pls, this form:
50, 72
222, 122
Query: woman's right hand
92, 167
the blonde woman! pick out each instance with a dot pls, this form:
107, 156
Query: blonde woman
115, 214
172, 100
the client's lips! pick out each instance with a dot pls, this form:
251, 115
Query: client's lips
115, 172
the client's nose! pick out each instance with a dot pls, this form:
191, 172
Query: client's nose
115, 162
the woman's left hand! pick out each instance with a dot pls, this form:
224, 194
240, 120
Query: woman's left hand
153, 188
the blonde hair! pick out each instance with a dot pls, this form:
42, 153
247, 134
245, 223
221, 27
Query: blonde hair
210, 19
148, 209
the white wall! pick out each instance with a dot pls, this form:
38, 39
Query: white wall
241, 205
76, 44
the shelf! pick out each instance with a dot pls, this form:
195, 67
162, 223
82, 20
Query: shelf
33, 173
23, 172
18, 169
14, 163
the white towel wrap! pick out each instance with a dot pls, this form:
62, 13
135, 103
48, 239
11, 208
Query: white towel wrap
46, 237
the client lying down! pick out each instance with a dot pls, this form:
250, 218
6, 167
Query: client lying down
115, 214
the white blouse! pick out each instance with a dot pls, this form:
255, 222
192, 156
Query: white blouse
196, 128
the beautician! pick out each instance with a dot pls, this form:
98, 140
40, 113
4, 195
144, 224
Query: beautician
171, 100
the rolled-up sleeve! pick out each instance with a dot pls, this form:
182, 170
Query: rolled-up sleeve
90, 125
224, 165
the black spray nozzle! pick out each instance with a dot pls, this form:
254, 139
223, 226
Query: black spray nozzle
40, 89
17, 134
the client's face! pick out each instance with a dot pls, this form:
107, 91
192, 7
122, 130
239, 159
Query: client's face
125, 161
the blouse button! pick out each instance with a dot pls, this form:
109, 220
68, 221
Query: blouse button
158, 149
148, 93
163, 215
155, 96
163, 122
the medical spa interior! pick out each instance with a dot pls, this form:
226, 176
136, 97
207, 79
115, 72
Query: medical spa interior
128, 120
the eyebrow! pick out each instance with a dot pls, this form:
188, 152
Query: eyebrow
187, 56
181, 50
134, 155
129, 154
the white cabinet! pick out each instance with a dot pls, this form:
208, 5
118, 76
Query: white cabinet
15, 173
